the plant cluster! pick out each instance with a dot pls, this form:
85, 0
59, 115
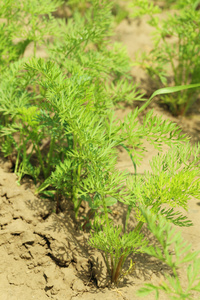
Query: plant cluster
174, 59
181, 255
119, 9
58, 126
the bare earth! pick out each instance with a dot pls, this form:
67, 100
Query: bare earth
46, 256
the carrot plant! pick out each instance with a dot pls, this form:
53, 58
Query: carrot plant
173, 181
174, 58
22, 24
180, 256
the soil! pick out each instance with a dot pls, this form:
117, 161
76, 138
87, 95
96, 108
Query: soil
46, 256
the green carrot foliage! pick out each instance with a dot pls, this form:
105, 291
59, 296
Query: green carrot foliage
173, 62
58, 126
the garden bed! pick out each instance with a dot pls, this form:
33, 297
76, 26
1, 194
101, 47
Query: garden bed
46, 255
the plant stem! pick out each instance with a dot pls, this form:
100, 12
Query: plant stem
129, 209
40, 160
78, 204
17, 162
118, 269
50, 155
105, 211
138, 227
107, 263
76, 178
18, 154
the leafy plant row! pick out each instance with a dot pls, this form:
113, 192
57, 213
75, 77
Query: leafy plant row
58, 125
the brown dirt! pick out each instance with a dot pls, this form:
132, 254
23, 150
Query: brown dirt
46, 256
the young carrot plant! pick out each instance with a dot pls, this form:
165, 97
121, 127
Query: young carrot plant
174, 179
174, 58
181, 255
22, 24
